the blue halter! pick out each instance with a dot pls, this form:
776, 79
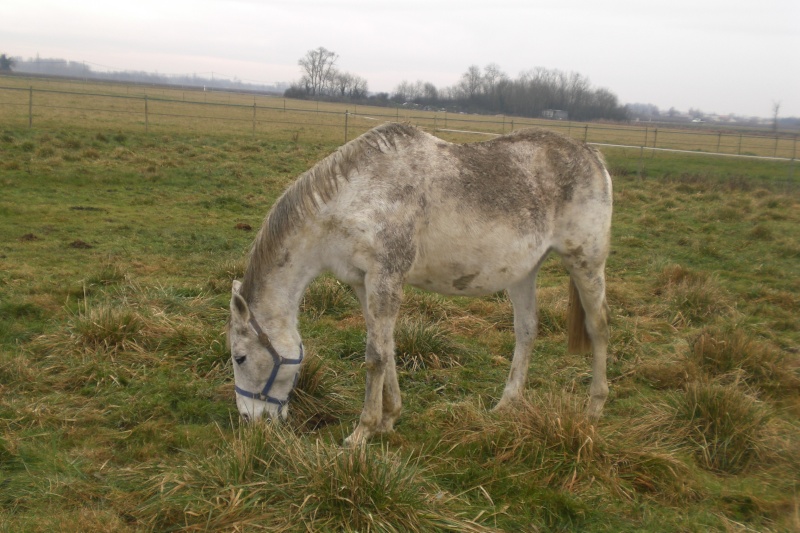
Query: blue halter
264, 395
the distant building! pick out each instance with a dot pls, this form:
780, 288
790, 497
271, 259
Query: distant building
555, 114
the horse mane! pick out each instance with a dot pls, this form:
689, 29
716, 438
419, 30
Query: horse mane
312, 189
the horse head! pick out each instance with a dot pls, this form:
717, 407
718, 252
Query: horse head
263, 378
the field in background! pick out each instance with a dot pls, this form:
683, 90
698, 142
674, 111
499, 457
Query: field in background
46, 102
116, 400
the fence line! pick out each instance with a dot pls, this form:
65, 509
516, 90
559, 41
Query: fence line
150, 109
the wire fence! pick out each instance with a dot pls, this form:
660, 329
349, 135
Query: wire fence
171, 110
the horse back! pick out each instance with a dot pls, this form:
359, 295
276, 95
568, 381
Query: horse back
473, 218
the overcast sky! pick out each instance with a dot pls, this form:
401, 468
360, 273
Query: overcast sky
720, 56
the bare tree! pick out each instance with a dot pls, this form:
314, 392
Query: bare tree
492, 75
404, 92
318, 69
471, 81
358, 87
429, 92
342, 83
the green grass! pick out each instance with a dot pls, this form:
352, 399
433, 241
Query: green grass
116, 400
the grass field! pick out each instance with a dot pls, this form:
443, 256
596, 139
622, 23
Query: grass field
116, 393
51, 102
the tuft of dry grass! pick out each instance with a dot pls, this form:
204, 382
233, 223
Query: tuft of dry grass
329, 296
691, 297
671, 373
725, 427
423, 344
549, 437
548, 431
733, 352
265, 476
320, 399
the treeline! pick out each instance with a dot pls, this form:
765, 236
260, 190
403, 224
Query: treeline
535, 93
82, 70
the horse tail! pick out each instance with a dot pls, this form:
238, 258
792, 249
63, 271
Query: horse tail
578, 340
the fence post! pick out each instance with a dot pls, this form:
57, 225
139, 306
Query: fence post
739, 150
641, 161
146, 118
585, 132
346, 114
254, 117
30, 108
719, 140
655, 140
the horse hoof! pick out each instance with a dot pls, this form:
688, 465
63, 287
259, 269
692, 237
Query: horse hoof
356, 439
503, 405
593, 412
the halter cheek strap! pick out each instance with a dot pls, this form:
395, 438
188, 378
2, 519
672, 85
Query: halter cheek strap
278, 361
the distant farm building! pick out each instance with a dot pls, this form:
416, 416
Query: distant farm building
555, 114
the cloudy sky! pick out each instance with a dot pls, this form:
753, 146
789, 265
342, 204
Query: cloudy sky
722, 56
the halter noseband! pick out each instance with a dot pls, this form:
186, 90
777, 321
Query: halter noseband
278, 361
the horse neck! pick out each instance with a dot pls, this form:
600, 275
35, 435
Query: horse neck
275, 297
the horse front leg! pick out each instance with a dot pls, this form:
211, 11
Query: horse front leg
382, 402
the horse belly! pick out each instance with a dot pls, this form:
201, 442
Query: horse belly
474, 267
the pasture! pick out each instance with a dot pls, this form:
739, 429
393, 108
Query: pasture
116, 389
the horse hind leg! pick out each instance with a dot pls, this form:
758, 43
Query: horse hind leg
523, 299
589, 279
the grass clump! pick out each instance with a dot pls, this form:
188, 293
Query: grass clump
733, 352
328, 296
265, 474
107, 327
320, 399
691, 297
548, 432
422, 344
725, 427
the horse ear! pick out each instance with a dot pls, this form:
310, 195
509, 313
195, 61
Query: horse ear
239, 308
237, 287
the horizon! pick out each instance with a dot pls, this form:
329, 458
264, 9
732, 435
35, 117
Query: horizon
283, 85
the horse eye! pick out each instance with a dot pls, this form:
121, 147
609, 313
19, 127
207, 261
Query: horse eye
240, 359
